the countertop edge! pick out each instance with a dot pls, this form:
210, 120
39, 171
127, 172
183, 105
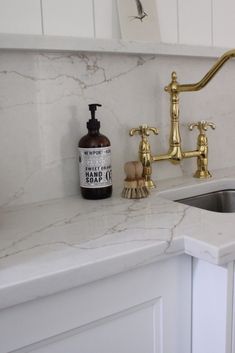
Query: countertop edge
179, 230
79, 276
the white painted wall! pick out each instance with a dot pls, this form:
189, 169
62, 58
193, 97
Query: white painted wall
195, 22
204, 22
68, 17
22, 16
223, 23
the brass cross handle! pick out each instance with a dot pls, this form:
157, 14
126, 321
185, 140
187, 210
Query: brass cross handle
143, 130
202, 171
145, 155
202, 126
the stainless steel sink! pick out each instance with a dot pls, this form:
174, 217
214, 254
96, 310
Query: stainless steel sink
218, 201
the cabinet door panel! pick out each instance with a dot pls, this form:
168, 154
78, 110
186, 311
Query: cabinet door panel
68, 17
20, 16
135, 330
210, 283
135, 309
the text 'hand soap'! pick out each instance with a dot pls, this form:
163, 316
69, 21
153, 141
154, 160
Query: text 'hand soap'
95, 161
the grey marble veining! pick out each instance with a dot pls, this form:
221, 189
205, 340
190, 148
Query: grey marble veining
55, 245
43, 114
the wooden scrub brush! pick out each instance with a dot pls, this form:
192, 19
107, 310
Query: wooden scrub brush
134, 184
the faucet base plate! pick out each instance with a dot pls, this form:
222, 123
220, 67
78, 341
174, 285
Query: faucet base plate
150, 184
202, 174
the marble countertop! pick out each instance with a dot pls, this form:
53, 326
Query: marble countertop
55, 245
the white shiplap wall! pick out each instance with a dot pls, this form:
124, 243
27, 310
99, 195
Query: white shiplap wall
68, 17
223, 23
22, 16
106, 19
201, 22
195, 20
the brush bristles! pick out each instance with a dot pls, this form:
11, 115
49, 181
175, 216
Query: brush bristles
135, 189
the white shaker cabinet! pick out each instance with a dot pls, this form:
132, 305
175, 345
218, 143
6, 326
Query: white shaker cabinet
20, 16
212, 310
147, 309
68, 18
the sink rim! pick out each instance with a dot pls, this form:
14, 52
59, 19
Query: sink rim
220, 201
196, 187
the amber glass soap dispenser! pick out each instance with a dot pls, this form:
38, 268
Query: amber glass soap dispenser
95, 161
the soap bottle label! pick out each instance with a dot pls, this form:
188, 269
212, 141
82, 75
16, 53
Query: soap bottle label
95, 167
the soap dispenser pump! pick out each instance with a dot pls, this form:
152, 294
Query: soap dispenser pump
95, 161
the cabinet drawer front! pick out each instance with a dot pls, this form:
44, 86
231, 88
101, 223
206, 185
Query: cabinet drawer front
136, 330
118, 301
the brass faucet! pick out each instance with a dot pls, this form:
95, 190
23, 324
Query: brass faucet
175, 153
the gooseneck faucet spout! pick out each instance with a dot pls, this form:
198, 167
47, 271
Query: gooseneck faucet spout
175, 153
208, 77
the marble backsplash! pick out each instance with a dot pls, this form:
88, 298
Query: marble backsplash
43, 114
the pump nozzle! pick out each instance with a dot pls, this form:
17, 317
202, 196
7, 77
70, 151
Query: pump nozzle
92, 108
93, 123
